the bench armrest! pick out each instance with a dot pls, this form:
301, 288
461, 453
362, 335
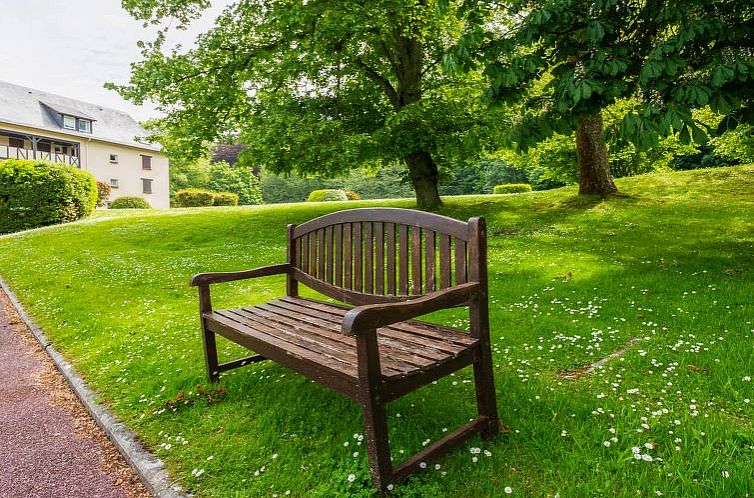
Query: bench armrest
216, 278
374, 316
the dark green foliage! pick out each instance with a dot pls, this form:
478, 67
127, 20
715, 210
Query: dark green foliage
327, 195
512, 188
130, 202
225, 199
387, 182
35, 194
707, 157
194, 197
237, 179
103, 192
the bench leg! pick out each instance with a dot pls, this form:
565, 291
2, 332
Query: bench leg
210, 354
378, 445
484, 381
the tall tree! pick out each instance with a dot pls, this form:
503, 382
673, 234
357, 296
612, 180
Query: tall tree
569, 59
316, 86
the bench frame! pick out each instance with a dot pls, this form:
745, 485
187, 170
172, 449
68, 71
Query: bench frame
375, 311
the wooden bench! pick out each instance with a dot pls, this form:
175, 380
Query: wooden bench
394, 265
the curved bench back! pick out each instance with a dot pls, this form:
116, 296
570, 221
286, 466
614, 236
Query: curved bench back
374, 255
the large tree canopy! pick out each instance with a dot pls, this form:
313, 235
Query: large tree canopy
569, 59
319, 86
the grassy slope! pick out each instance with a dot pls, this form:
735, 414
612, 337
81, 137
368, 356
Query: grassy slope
667, 264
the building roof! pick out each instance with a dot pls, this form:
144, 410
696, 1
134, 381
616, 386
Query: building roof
25, 106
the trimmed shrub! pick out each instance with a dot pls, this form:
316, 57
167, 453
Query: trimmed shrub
130, 202
352, 196
103, 192
225, 199
512, 188
326, 195
37, 193
194, 197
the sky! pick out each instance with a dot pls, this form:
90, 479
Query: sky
73, 47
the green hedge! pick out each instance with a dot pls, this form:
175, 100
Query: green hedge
37, 193
512, 188
129, 202
194, 197
327, 195
225, 199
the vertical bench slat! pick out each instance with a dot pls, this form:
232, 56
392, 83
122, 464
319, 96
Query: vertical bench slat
321, 254
460, 260
430, 260
305, 253
444, 261
357, 261
328, 255
348, 256
391, 262
416, 260
339, 255
368, 244
402, 260
379, 258
313, 254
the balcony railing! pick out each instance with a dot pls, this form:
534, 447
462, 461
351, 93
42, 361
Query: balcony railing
8, 152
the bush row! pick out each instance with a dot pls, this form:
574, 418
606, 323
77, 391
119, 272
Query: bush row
36, 193
511, 188
196, 197
129, 202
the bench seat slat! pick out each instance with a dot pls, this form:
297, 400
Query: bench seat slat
310, 330
436, 333
427, 351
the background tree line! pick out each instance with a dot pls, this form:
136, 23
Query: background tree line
559, 90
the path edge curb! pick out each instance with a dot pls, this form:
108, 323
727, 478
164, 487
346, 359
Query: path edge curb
147, 466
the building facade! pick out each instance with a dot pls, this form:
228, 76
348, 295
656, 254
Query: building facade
106, 142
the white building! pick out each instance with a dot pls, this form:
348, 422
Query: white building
103, 141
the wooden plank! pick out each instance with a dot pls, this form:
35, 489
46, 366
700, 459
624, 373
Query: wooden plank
241, 362
291, 284
312, 254
432, 221
338, 255
329, 255
368, 244
340, 379
430, 261
460, 261
416, 260
305, 253
403, 260
342, 294
347, 256
416, 355
357, 261
436, 333
445, 270
391, 263
379, 258
321, 254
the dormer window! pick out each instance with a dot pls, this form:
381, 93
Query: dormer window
84, 125
78, 124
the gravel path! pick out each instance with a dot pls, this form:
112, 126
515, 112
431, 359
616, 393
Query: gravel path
49, 446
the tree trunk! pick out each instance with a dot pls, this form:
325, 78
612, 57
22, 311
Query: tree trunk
591, 151
423, 172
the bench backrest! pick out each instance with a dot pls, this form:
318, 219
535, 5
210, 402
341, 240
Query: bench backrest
374, 255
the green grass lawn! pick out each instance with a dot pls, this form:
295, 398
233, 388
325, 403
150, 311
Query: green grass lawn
664, 271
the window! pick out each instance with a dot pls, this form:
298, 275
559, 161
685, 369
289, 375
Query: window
59, 149
69, 122
84, 125
16, 142
146, 185
146, 162
113, 158
113, 183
